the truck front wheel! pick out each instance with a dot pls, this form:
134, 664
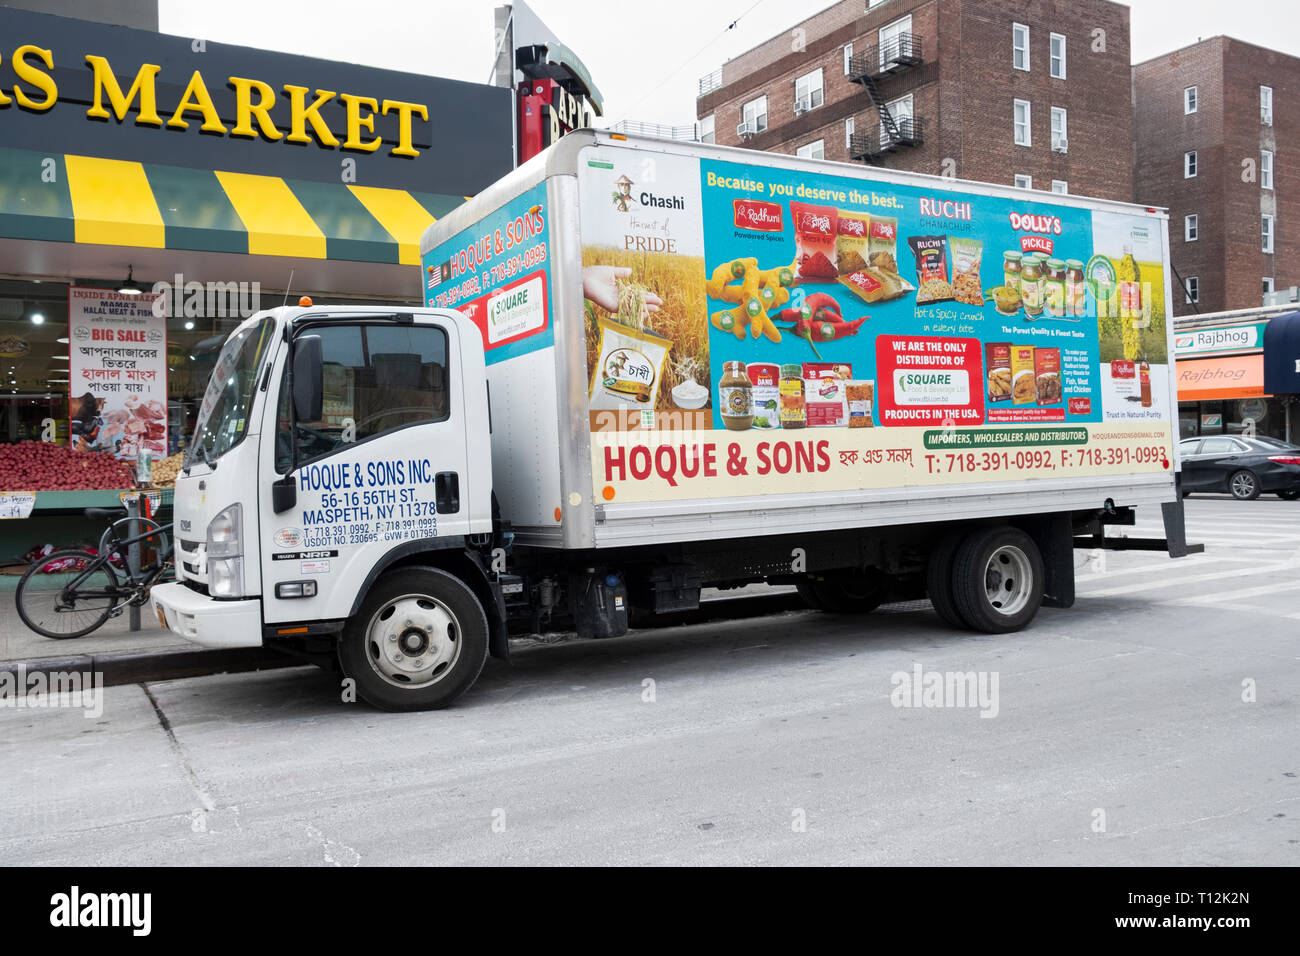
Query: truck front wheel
997, 577
417, 643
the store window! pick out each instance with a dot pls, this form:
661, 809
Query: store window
34, 356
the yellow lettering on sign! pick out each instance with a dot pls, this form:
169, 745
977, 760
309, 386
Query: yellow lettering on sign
142, 87
246, 109
4, 100
198, 99
28, 73
356, 122
404, 111
304, 114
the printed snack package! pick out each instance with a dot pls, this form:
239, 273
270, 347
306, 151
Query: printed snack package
827, 370
966, 256
1047, 374
875, 285
630, 367
931, 253
1024, 387
997, 363
814, 233
860, 396
882, 246
826, 401
851, 241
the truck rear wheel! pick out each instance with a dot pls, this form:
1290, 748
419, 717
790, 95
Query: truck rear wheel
998, 579
849, 591
417, 643
939, 581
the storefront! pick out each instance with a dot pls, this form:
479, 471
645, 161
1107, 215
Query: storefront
214, 180
1220, 373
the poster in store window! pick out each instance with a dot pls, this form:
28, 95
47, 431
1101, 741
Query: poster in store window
117, 389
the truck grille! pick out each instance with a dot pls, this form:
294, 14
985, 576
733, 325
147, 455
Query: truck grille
192, 561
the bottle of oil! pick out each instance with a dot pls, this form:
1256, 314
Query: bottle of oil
1144, 378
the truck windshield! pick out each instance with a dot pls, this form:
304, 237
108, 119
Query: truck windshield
223, 415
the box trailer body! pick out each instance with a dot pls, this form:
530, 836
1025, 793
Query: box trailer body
642, 369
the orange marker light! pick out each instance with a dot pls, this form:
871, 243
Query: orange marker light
608, 493
305, 301
558, 513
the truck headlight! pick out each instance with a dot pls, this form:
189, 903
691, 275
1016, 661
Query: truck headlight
225, 553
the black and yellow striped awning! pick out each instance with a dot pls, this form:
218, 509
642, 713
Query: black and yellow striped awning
87, 199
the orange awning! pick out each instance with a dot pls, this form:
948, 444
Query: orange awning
1235, 376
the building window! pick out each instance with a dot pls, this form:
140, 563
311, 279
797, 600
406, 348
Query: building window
1022, 123
816, 150
1189, 100
1193, 290
753, 116
1024, 182
1189, 164
1060, 143
1266, 105
1190, 228
808, 93
1020, 46
1060, 186
1265, 169
848, 133
848, 58
895, 40
1268, 285
901, 110
704, 129
1057, 59
1266, 233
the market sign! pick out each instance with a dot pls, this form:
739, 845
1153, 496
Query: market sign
1230, 338
118, 381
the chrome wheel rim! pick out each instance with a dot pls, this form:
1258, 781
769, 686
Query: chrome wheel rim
1008, 578
1243, 484
413, 641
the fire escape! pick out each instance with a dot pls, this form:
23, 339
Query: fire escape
895, 56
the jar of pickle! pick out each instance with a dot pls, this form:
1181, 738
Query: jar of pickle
1031, 286
1054, 288
793, 408
1011, 269
1076, 297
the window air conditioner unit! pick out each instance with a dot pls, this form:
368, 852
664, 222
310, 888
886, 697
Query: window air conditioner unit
745, 130
1062, 145
802, 105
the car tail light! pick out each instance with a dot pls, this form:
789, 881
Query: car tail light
1285, 459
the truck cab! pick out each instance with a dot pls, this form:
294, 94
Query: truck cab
334, 448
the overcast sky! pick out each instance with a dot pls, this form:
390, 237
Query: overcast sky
646, 57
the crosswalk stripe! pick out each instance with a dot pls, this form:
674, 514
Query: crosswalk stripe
1223, 597
1185, 579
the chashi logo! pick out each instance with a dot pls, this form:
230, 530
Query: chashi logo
97, 910
622, 197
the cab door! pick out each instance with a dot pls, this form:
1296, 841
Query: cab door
385, 467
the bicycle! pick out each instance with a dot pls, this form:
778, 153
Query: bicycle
73, 591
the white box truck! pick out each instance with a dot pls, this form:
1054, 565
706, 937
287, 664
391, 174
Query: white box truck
645, 368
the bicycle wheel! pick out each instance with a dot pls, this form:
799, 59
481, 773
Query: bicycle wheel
120, 530
48, 604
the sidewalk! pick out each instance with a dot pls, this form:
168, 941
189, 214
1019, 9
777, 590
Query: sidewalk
121, 655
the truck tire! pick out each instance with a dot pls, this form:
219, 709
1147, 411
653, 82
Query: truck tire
418, 642
939, 582
998, 579
849, 591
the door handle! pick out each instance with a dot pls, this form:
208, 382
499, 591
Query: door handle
446, 492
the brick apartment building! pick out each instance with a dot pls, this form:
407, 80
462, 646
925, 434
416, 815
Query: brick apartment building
1036, 93
1208, 121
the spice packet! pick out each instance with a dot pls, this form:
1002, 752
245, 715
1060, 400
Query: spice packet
860, 395
875, 285
1047, 373
851, 241
630, 367
1024, 386
814, 234
997, 363
882, 244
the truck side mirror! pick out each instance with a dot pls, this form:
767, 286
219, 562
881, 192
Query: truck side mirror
308, 379
284, 494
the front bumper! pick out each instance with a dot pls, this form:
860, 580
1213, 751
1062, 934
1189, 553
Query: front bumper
208, 622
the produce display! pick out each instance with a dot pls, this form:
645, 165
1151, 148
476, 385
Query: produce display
166, 469
45, 466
